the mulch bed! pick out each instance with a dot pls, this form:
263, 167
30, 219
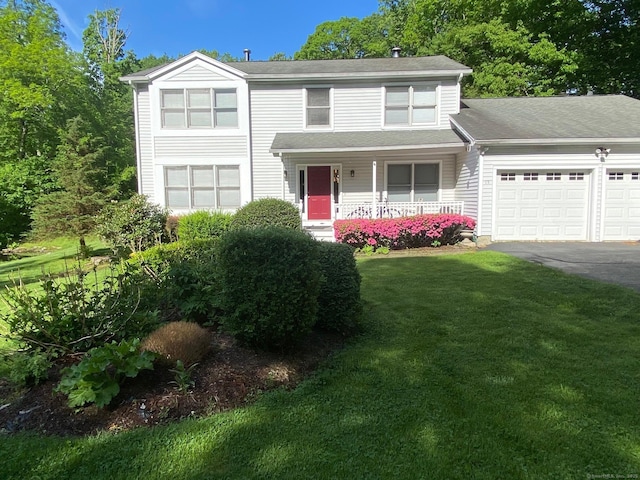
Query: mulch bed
230, 376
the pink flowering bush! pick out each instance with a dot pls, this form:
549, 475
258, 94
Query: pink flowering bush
403, 232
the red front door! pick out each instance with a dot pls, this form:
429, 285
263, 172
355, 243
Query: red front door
319, 193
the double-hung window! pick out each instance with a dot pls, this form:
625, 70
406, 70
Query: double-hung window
318, 107
199, 108
413, 182
411, 105
202, 187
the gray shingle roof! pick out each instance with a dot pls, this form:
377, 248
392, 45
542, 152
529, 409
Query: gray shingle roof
551, 119
366, 67
364, 141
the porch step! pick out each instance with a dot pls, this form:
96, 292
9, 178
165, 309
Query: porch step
323, 233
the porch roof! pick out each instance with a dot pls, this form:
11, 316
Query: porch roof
366, 141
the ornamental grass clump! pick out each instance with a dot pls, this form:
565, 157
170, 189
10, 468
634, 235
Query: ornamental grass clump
184, 341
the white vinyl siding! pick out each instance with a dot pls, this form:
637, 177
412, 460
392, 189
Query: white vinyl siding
196, 73
466, 182
193, 187
201, 147
195, 108
145, 143
356, 107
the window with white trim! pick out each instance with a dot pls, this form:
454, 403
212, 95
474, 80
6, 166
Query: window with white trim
530, 176
576, 175
635, 175
318, 107
198, 108
507, 177
413, 182
195, 187
551, 176
410, 105
616, 175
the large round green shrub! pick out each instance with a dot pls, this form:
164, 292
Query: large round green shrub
339, 304
203, 225
267, 212
270, 281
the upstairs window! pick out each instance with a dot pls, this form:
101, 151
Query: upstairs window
318, 107
410, 105
199, 108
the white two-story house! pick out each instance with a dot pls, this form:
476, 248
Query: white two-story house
386, 137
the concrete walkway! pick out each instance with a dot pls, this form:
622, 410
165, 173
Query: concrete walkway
608, 262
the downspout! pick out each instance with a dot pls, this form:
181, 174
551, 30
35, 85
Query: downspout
481, 153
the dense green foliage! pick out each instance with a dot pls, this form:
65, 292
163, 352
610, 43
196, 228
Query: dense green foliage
339, 304
270, 279
97, 378
526, 47
184, 279
203, 225
267, 212
74, 313
132, 226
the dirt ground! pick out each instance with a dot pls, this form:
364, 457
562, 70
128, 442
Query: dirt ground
229, 377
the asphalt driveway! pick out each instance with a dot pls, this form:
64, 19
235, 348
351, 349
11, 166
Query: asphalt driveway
608, 262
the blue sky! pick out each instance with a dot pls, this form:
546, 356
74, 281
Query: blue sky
181, 26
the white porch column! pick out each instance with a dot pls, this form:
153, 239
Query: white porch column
374, 209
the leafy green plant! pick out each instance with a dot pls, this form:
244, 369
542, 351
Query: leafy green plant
270, 280
367, 250
339, 304
183, 379
132, 226
74, 311
97, 378
27, 368
267, 212
203, 225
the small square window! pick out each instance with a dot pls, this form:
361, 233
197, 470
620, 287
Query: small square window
318, 107
507, 177
530, 176
616, 176
576, 175
635, 176
552, 176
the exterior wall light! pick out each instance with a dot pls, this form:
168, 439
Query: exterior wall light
353, 173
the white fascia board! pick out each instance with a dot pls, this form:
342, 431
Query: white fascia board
465, 134
286, 151
557, 141
352, 76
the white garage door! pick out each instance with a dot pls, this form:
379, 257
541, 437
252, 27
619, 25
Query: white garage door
541, 205
622, 205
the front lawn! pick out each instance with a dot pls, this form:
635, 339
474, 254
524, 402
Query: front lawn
473, 366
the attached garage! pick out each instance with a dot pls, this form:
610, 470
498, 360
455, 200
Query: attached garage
621, 219
541, 205
554, 168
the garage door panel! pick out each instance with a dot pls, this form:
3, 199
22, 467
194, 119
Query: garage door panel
622, 205
553, 209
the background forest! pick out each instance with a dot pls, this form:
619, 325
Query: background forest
66, 121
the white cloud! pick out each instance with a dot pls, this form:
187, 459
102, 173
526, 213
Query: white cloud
73, 30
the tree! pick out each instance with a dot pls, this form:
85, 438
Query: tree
79, 169
506, 61
348, 37
106, 60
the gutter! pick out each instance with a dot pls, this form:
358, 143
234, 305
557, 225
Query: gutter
280, 151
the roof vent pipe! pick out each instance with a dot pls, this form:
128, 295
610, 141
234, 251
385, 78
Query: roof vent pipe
395, 52
247, 55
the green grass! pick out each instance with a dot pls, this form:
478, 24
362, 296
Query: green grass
476, 366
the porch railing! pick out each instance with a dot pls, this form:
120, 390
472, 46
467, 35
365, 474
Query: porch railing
395, 209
